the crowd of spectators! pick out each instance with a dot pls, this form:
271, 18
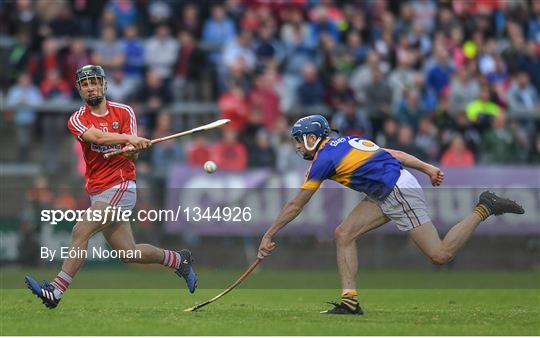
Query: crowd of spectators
450, 81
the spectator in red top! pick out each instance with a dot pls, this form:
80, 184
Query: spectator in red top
250, 21
229, 153
457, 155
338, 92
198, 152
53, 87
234, 105
44, 61
189, 67
265, 98
75, 58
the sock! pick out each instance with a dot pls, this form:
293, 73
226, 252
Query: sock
61, 283
482, 211
172, 259
350, 299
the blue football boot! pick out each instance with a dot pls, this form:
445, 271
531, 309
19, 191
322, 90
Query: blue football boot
44, 291
186, 270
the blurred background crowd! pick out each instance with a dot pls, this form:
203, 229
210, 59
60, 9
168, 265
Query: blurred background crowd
454, 82
451, 81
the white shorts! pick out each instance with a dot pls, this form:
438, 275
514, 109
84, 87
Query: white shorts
123, 195
406, 204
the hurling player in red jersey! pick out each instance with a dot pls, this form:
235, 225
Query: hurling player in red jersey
102, 126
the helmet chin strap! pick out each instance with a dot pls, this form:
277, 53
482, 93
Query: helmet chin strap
308, 148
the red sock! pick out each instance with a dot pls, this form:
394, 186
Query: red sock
171, 259
61, 281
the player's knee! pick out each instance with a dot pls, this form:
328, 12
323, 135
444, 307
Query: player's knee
342, 236
441, 257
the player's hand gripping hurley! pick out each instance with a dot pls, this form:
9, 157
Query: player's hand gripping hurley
209, 126
229, 289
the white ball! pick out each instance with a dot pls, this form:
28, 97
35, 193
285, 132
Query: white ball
210, 167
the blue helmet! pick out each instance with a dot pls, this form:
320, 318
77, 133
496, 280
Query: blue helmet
313, 124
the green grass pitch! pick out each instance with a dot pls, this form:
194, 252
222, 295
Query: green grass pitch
277, 303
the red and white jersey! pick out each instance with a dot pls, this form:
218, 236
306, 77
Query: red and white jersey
102, 174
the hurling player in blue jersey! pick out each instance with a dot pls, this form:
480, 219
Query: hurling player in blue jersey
392, 194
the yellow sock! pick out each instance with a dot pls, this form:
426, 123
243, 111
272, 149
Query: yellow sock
353, 294
350, 299
482, 212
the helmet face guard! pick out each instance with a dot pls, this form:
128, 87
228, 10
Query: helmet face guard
313, 124
89, 73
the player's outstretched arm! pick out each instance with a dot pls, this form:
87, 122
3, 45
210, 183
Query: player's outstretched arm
435, 174
96, 136
289, 212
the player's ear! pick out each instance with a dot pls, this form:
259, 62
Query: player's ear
312, 139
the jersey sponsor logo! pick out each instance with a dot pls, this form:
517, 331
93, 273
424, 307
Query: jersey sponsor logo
105, 149
337, 141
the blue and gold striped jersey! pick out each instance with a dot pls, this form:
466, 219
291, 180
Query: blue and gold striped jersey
356, 163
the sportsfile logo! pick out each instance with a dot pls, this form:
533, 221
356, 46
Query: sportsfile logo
117, 214
103, 216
